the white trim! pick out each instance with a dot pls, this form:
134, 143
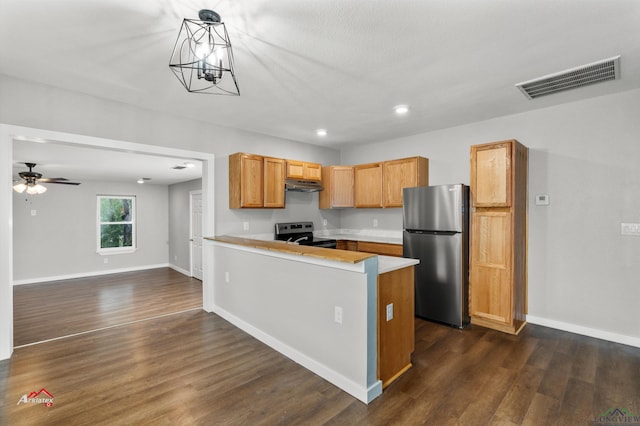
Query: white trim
191, 194
585, 331
364, 394
182, 271
90, 274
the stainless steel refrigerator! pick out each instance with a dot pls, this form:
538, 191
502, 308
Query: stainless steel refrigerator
436, 225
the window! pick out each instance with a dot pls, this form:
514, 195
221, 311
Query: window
116, 224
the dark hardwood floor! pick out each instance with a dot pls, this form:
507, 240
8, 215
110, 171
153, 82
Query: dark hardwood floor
61, 308
196, 368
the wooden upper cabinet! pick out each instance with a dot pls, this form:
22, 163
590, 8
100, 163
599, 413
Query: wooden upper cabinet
491, 174
368, 185
274, 174
256, 181
338, 189
246, 174
303, 170
400, 174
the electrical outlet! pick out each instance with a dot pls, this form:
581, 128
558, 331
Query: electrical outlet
245, 226
337, 314
34, 212
175, 257
389, 311
375, 223
324, 222
226, 277
106, 260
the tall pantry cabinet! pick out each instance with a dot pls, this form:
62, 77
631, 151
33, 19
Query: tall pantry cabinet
498, 255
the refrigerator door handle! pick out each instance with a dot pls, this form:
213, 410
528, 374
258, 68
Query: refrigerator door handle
420, 231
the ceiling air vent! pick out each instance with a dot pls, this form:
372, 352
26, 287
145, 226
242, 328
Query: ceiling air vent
607, 69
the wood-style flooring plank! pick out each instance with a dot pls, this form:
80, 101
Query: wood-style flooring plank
59, 308
194, 368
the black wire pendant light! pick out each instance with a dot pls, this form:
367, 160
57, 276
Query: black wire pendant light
202, 57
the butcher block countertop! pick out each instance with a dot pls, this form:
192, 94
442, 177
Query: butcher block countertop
310, 251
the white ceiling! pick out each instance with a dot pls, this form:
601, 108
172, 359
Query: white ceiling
78, 164
335, 64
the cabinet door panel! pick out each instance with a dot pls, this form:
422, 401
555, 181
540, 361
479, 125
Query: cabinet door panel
252, 180
295, 169
490, 275
398, 174
312, 171
368, 185
491, 175
274, 170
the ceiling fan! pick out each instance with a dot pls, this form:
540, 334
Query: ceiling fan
31, 181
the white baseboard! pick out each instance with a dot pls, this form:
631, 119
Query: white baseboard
89, 274
178, 269
585, 331
363, 393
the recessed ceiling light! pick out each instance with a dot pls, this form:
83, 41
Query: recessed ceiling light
401, 109
321, 132
140, 180
189, 165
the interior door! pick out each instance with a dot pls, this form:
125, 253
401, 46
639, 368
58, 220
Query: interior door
196, 234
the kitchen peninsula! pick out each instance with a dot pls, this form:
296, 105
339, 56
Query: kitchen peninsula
345, 315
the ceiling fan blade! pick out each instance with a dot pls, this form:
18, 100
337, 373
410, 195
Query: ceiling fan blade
60, 182
52, 179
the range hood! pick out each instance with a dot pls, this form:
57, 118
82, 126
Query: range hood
301, 185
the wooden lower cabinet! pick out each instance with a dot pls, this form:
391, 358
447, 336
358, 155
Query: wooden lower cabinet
380, 248
385, 249
347, 245
396, 336
491, 295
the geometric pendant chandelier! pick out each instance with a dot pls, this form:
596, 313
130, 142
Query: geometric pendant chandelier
202, 57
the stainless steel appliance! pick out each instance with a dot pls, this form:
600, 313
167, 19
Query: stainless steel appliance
301, 233
436, 225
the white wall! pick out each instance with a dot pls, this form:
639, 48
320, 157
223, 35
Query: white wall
583, 275
179, 223
60, 239
288, 302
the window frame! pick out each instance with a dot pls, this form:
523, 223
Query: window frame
133, 222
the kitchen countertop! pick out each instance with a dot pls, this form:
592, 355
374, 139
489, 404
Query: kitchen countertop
385, 263
392, 263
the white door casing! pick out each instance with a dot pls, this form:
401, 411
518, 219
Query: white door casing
195, 246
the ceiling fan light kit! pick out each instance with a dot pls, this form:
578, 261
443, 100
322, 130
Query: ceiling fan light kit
31, 181
202, 58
